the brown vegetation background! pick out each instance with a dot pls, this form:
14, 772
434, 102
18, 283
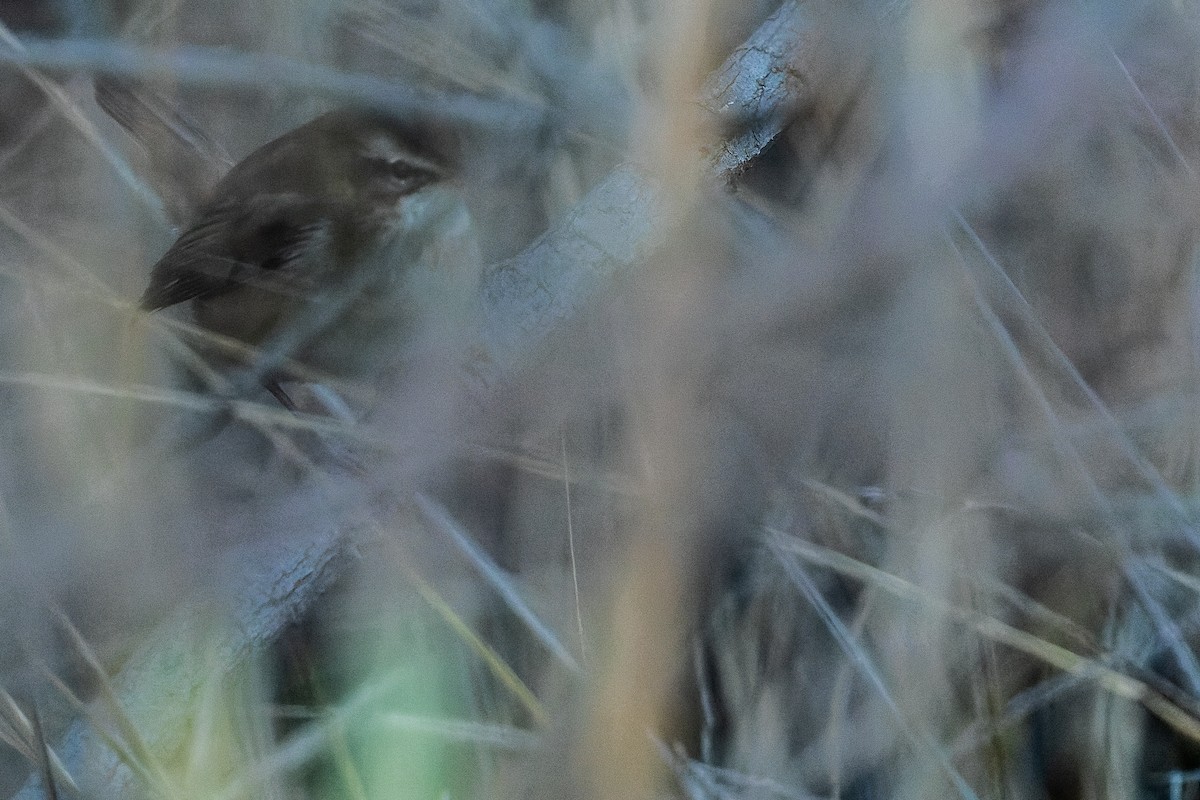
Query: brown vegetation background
823, 424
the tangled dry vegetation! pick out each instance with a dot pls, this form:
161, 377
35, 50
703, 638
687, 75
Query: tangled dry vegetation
822, 424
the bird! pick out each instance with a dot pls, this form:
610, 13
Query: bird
300, 252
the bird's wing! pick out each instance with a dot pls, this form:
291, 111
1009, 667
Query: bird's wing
233, 245
197, 265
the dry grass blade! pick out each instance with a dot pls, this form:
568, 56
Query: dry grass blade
610, 481
440, 519
9, 736
19, 724
566, 478
1117, 540
16, 51
160, 128
1117, 683
142, 756
263, 416
185, 162
214, 68
703, 780
112, 740
20, 732
501, 737
419, 43
1047, 617
502, 671
1159, 125
845, 501
998, 287
305, 744
45, 766
1017, 710
862, 660
42, 244
1027, 605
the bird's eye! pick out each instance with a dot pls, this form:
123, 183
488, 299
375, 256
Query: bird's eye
397, 177
411, 178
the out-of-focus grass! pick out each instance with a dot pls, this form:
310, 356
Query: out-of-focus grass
859, 465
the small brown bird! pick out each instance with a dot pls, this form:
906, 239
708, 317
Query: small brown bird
301, 250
